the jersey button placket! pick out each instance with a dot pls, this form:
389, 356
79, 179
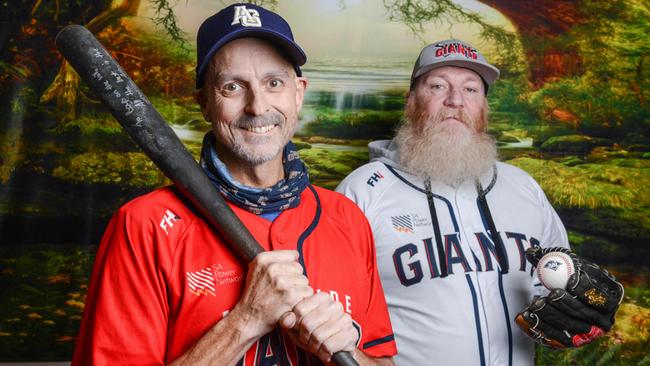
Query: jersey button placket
278, 235
281, 240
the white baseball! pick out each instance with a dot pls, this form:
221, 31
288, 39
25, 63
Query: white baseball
554, 270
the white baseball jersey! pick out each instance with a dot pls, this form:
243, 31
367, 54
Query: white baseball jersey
466, 317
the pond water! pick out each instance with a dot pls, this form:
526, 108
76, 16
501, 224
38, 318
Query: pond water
187, 134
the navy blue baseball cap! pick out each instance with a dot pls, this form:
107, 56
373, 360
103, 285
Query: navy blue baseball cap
244, 20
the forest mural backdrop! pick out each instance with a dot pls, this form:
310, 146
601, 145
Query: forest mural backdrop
571, 108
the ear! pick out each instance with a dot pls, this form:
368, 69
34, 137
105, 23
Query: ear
410, 96
301, 87
202, 100
485, 116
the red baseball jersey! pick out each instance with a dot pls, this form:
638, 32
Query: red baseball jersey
163, 277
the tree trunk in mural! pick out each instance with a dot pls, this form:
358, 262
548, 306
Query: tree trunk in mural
541, 26
65, 87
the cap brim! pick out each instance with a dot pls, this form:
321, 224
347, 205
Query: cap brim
489, 73
291, 48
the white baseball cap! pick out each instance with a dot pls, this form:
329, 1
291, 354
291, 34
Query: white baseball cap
453, 52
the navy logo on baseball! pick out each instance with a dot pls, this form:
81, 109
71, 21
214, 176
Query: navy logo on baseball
554, 265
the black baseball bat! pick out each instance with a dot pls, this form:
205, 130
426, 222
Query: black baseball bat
146, 126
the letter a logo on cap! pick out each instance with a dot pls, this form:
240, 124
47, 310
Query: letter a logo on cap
247, 18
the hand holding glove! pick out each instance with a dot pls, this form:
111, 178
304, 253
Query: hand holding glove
575, 316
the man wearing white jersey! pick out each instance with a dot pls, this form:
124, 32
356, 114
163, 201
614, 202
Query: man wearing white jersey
452, 227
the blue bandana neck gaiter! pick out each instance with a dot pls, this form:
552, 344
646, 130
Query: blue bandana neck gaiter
283, 195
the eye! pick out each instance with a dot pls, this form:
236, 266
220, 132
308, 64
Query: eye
436, 86
230, 88
275, 83
471, 90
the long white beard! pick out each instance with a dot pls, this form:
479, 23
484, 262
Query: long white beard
448, 151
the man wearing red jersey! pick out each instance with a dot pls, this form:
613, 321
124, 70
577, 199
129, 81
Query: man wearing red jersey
167, 289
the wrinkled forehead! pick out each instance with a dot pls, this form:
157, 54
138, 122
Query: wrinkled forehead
244, 52
452, 72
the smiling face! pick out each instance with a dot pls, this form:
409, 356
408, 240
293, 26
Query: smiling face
449, 95
252, 97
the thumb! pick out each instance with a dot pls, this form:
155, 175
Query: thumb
534, 254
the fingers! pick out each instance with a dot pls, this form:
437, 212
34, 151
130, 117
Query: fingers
569, 306
534, 254
277, 260
555, 323
558, 321
323, 328
274, 284
529, 322
550, 336
279, 275
595, 287
288, 320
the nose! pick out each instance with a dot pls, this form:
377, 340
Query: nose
257, 103
453, 99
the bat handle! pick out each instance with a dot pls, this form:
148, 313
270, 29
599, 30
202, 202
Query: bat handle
344, 359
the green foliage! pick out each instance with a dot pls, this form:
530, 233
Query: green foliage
128, 169
555, 95
589, 185
180, 111
88, 126
596, 248
360, 124
344, 143
166, 18
28, 30
639, 295
42, 296
610, 99
573, 143
601, 199
15, 71
645, 361
11, 153
327, 167
509, 96
631, 163
301, 145
91, 131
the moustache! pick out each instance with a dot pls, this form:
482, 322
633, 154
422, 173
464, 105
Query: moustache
445, 113
271, 118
